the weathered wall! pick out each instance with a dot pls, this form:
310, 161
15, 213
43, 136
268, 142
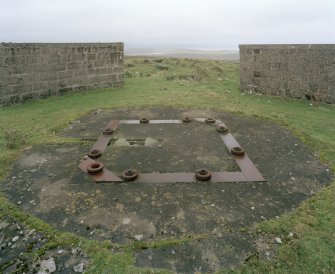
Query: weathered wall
33, 70
297, 71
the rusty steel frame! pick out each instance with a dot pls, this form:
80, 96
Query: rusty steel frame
248, 173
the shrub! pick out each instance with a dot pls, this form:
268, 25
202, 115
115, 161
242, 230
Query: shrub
14, 139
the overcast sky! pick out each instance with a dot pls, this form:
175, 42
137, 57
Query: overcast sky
206, 24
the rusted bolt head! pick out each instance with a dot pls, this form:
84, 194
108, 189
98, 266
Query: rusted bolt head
129, 175
237, 151
202, 174
94, 153
187, 119
95, 167
222, 129
108, 131
210, 120
144, 120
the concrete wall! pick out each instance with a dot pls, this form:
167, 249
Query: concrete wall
297, 71
33, 70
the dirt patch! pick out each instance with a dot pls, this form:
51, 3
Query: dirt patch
47, 183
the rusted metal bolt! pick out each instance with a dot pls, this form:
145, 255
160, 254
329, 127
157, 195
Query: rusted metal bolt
237, 151
144, 120
187, 119
210, 120
108, 131
95, 167
222, 129
203, 174
129, 175
94, 153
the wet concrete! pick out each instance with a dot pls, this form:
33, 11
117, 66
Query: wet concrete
47, 183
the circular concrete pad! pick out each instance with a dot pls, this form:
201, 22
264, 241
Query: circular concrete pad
47, 183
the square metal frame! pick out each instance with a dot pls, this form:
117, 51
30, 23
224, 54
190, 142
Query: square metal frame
248, 173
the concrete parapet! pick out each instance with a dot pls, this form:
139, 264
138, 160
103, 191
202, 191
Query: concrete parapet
33, 70
296, 71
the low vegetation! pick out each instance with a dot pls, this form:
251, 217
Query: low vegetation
186, 83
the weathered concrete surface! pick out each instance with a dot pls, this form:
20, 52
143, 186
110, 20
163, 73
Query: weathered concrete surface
18, 243
182, 148
33, 70
47, 183
297, 71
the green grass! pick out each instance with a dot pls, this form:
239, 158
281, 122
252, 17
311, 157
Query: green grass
199, 84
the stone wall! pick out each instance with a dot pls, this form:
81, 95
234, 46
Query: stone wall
297, 71
33, 70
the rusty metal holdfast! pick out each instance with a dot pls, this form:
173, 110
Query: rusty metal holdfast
187, 120
203, 174
99, 173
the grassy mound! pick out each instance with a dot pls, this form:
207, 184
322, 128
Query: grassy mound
186, 83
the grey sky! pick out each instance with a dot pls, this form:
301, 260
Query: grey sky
207, 24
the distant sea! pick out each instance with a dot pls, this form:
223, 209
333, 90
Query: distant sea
228, 55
